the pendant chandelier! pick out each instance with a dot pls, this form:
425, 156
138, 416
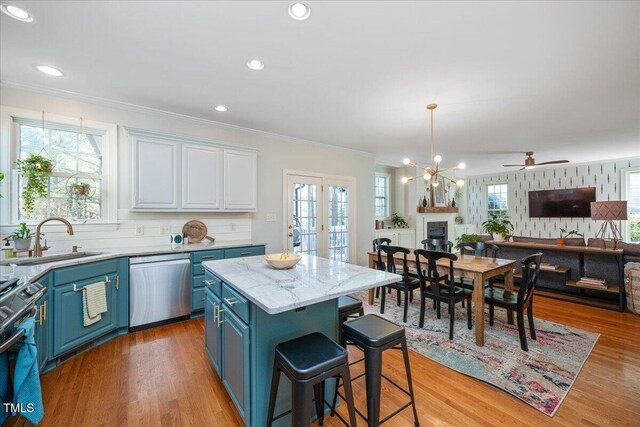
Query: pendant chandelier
434, 174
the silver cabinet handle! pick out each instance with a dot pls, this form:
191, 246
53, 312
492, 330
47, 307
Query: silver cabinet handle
245, 253
220, 320
209, 282
231, 301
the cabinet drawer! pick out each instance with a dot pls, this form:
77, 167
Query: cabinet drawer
198, 281
235, 302
200, 256
213, 283
240, 252
82, 272
197, 269
197, 299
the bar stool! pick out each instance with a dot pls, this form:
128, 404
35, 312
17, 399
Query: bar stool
373, 335
308, 361
347, 307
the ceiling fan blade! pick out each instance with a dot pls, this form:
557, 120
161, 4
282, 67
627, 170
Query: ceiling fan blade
510, 166
553, 162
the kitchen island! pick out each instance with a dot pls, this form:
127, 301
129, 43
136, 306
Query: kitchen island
251, 307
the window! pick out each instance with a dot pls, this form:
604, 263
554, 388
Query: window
382, 195
75, 188
497, 199
631, 182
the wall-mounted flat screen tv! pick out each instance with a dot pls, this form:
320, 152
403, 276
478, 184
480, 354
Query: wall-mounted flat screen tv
568, 203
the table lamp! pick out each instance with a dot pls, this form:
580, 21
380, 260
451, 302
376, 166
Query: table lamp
609, 212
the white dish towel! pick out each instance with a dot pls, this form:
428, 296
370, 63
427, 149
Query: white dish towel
94, 303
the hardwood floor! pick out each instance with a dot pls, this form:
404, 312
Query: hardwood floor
162, 377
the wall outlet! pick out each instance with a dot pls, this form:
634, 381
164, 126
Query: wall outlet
271, 217
139, 230
165, 229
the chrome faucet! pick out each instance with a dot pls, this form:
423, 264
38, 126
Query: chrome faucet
37, 248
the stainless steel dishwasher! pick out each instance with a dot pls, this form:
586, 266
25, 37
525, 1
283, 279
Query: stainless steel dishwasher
160, 289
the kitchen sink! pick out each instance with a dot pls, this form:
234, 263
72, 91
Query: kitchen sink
47, 259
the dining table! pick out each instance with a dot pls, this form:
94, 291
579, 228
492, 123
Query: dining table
477, 268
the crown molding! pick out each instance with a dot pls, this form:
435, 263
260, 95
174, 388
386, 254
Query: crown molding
146, 110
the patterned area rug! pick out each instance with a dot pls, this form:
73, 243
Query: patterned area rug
540, 377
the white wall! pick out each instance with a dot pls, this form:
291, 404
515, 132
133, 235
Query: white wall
605, 177
276, 153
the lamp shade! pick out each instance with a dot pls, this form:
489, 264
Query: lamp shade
609, 211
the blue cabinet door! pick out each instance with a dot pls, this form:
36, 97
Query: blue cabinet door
235, 360
212, 335
242, 252
69, 330
42, 329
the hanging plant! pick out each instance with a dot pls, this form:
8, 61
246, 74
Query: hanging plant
36, 169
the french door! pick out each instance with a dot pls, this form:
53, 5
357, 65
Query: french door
320, 216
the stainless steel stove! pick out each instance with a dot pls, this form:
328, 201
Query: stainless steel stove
17, 301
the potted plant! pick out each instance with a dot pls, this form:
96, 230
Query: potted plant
498, 225
398, 221
467, 238
36, 170
562, 240
22, 237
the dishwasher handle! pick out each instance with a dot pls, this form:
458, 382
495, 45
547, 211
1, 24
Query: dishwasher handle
159, 264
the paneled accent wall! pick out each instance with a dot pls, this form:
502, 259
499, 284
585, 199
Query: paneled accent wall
605, 177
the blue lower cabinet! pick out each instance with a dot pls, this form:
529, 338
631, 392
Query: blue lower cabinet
197, 299
43, 330
69, 329
235, 360
212, 336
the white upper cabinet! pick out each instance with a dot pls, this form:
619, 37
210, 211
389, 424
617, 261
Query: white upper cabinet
240, 180
201, 177
155, 173
170, 173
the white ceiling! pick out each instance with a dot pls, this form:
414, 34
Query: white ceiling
559, 78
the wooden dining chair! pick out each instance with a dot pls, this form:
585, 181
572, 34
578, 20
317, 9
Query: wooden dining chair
440, 288
518, 301
376, 243
441, 245
409, 282
477, 249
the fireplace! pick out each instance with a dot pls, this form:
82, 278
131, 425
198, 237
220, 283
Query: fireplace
437, 230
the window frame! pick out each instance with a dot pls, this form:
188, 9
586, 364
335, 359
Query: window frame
387, 195
625, 174
486, 198
9, 135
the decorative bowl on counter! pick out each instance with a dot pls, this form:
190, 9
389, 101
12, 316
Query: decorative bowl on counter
283, 261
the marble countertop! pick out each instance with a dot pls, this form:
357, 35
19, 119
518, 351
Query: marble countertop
33, 272
311, 281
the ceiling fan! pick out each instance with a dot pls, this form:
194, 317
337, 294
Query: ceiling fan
530, 162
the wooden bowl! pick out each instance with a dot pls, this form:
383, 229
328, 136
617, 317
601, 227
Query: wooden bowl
283, 264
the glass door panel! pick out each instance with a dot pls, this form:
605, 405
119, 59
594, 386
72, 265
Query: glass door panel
338, 221
305, 215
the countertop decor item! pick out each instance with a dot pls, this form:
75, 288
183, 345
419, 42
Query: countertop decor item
609, 212
22, 237
196, 231
434, 173
283, 261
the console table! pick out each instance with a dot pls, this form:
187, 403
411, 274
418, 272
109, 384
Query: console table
613, 288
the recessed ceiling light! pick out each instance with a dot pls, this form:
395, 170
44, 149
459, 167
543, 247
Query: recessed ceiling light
255, 64
299, 11
220, 108
16, 13
49, 70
